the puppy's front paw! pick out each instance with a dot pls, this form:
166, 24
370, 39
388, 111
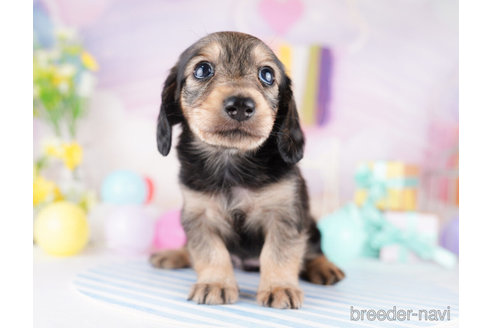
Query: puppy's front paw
281, 297
213, 293
171, 259
322, 272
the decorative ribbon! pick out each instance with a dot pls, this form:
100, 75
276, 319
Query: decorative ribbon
381, 232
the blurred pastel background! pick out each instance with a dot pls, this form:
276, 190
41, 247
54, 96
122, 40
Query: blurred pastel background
376, 84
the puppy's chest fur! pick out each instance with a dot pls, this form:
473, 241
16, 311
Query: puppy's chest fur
242, 216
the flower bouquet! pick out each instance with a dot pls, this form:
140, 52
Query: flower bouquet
63, 81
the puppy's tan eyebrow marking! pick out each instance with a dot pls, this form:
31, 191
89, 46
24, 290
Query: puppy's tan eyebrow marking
199, 57
264, 57
267, 63
211, 50
209, 53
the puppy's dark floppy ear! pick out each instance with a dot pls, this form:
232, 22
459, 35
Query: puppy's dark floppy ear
170, 112
290, 139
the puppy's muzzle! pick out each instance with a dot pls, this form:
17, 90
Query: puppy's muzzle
239, 108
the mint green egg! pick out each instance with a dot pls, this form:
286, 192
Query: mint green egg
342, 235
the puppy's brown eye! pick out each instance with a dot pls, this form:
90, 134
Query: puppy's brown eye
203, 70
266, 75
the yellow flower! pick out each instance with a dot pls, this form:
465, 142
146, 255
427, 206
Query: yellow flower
88, 200
89, 61
58, 79
72, 155
45, 190
63, 74
53, 148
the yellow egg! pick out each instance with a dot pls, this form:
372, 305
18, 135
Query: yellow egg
61, 229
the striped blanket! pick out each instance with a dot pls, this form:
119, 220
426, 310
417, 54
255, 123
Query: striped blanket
391, 294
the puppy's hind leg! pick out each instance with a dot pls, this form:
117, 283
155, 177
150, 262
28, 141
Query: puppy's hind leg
171, 259
320, 271
317, 269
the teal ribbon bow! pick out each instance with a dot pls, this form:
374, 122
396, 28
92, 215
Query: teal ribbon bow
381, 232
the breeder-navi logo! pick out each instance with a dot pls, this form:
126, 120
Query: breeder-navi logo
395, 314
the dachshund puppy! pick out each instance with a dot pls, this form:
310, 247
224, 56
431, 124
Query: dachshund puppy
243, 192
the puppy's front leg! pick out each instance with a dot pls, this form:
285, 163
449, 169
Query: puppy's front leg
204, 223
280, 262
216, 283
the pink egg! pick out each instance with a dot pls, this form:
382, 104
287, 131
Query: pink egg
169, 233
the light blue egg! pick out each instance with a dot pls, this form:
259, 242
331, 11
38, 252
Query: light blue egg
124, 187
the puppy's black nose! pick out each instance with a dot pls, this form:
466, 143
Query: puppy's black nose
239, 108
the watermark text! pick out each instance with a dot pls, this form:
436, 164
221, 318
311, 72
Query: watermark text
395, 314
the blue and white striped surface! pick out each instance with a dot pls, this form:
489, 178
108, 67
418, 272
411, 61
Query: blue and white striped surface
162, 293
